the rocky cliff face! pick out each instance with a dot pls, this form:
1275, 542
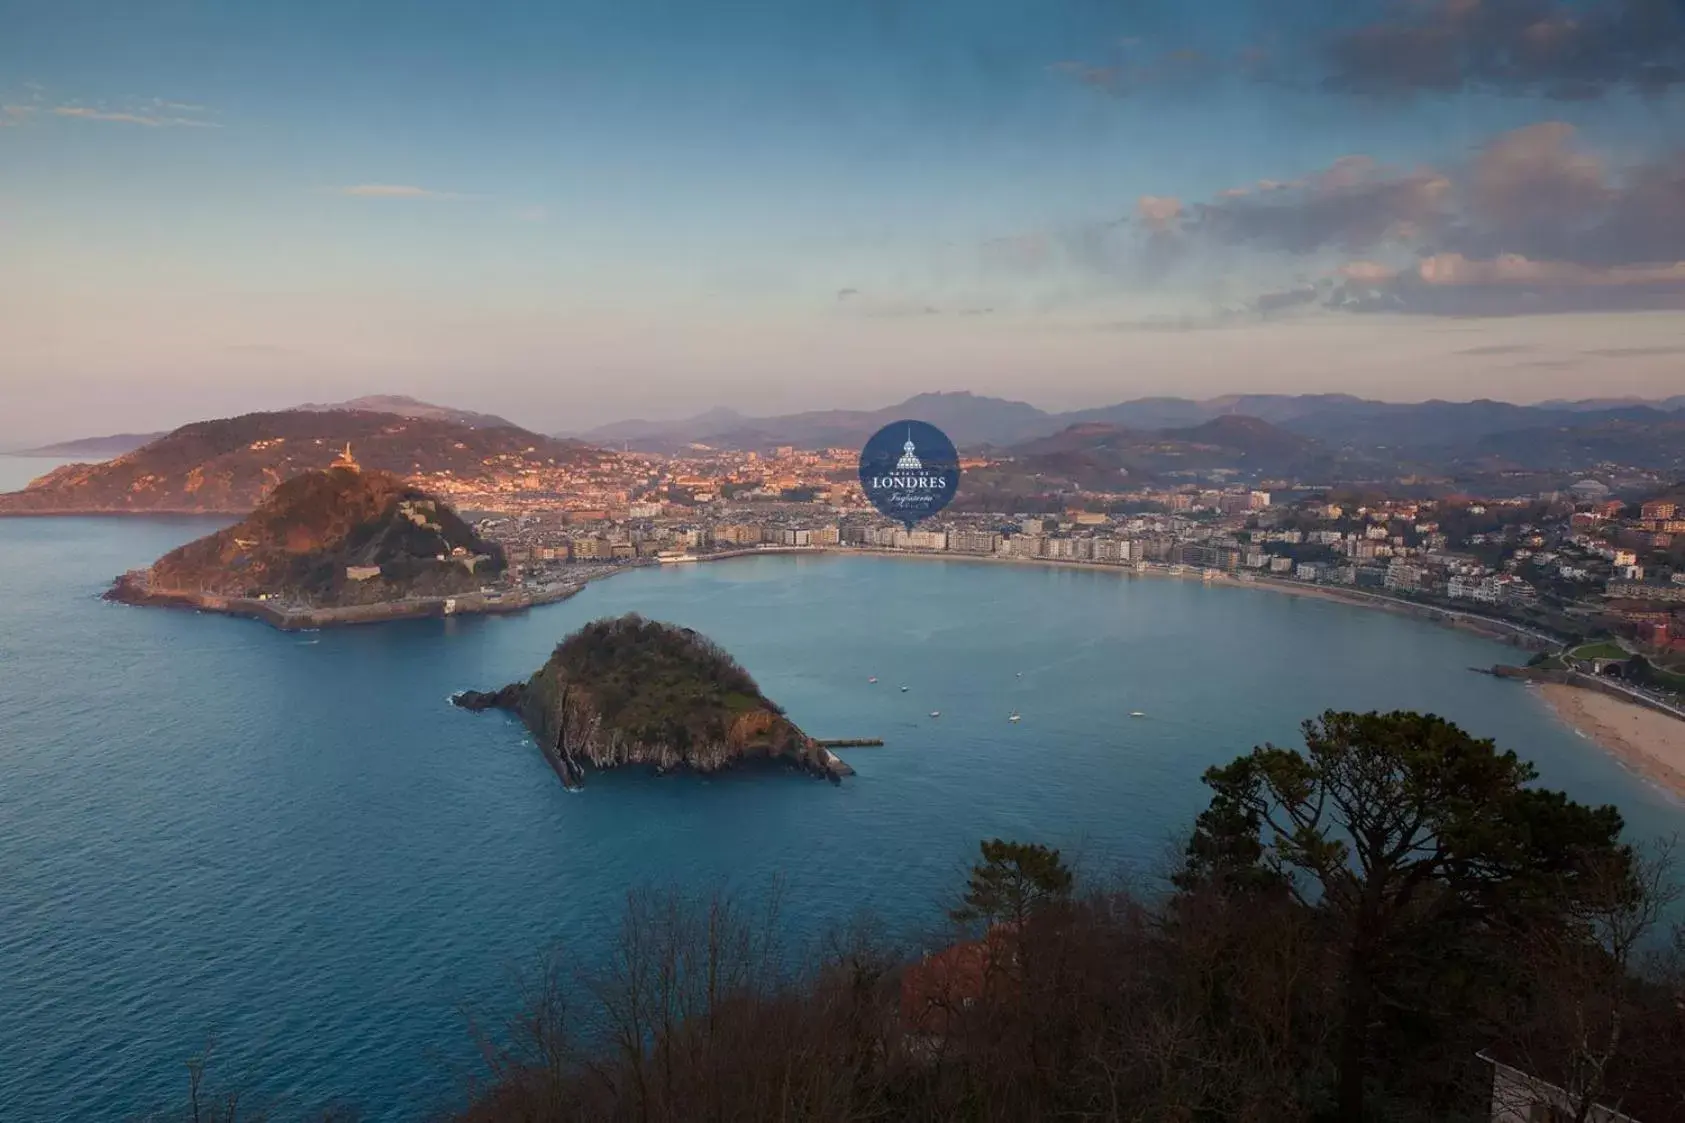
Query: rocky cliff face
636, 692
328, 539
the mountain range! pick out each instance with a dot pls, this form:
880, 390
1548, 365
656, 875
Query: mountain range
974, 421
93, 448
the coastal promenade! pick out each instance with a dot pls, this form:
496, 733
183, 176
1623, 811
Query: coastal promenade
1519, 634
292, 617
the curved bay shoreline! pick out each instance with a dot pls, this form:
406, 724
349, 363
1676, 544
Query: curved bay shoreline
1649, 742
1516, 634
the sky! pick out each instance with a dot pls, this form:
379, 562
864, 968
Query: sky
575, 211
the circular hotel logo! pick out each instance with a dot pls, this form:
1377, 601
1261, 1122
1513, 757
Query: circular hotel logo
909, 470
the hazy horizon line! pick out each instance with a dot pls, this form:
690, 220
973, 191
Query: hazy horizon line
16, 446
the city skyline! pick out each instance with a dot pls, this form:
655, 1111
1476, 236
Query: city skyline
575, 214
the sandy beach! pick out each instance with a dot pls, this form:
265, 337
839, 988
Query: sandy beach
1463, 621
1650, 743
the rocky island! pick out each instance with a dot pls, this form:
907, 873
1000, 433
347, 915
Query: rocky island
631, 691
339, 546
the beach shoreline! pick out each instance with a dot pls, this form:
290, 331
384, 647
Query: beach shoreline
1517, 635
1649, 742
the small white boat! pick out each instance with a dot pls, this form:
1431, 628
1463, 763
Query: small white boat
1013, 717
1020, 674
874, 678
903, 690
1136, 713
935, 713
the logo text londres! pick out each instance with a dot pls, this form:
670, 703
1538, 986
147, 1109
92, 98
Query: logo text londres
909, 470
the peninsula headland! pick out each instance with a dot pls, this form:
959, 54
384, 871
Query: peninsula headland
335, 547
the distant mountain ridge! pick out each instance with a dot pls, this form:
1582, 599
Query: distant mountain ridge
1100, 456
403, 406
975, 421
101, 448
966, 417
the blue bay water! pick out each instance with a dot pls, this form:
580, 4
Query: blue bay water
292, 844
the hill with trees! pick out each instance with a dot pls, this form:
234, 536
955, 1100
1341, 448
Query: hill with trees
228, 466
327, 539
631, 691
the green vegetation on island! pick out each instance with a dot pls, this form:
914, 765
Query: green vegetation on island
634, 691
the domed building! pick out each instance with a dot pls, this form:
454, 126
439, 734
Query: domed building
1589, 491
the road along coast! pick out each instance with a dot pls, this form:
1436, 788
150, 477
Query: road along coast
296, 618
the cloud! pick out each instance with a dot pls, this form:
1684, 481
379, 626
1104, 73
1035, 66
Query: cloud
1101, 77
1128, 74
127, 117
1497, 349
1534, 174
1158, 212
1287, 298
1632, 352
1542, 48
1514, 269
1531, 221
865, 305
1354, 205
1366, 272
1449, 284
393, 191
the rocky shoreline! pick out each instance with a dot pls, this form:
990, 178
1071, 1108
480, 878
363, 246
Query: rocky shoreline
574, 751
632, 692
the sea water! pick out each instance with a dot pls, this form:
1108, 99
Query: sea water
291, 846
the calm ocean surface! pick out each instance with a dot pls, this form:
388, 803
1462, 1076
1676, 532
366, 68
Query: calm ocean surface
292, 845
